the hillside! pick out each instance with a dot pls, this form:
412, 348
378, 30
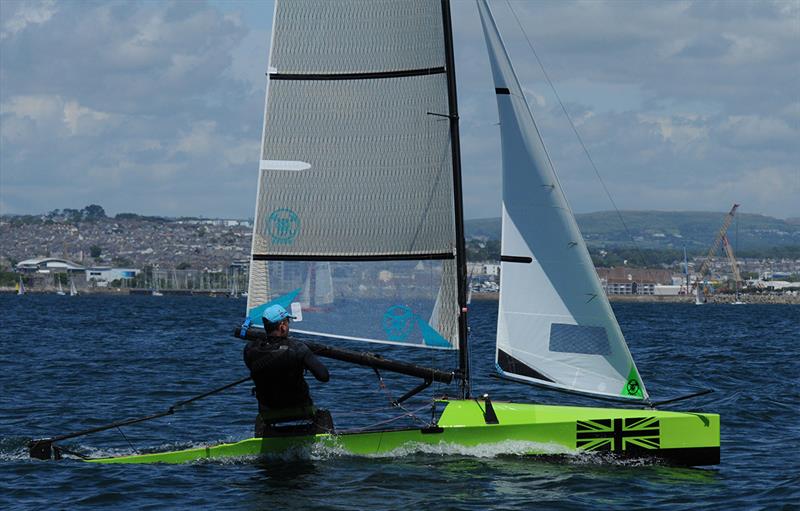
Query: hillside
669, 230
129, 239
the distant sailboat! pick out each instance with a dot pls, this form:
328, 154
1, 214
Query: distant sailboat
699, 295
686, 271
318, 289
234, 293
155, 291
20, 287
60, 291
73, 291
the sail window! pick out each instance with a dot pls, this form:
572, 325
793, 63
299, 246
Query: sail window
589, 340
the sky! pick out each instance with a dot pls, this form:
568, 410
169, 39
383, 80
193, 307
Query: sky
157, 107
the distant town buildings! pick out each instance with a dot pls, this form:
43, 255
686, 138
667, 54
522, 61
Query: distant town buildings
49, 265
130, 243
633, 281
103, 276
142, 252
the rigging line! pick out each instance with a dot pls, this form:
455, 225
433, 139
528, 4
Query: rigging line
126, 439
577, 134
413, 414
387, 421
393, 402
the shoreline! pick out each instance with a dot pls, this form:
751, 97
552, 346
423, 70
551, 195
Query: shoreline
718, 299
478, 297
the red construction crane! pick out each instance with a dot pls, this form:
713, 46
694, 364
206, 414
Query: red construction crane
717, 241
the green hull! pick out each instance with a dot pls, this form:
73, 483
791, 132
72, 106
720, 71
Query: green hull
674, 437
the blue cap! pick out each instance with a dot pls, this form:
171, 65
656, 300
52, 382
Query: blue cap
275, 314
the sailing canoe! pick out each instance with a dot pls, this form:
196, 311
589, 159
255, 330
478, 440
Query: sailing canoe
677, 438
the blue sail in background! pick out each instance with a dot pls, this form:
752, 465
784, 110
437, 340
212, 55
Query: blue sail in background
284, 301
431, 336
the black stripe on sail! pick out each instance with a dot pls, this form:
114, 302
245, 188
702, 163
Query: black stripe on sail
502, 90
510, 364
516, 259
378, 257
358, 76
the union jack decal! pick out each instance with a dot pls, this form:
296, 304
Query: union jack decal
618, 435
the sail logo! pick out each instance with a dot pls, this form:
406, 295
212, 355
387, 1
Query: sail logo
398, 320
283, 226
618, 435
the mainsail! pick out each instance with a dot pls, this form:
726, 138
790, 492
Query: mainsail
357, 172
555, 326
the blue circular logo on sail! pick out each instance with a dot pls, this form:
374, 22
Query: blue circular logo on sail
283, 226
398, 320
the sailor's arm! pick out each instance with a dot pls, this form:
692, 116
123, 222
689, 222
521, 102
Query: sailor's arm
317, 368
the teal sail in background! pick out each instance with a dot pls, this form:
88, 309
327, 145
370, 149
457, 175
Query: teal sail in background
284, 301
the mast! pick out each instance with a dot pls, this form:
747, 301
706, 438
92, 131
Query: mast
686, 268
461, 262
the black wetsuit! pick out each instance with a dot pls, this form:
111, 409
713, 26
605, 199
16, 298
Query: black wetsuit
276, 366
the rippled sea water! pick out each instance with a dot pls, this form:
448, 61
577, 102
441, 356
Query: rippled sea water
71, 363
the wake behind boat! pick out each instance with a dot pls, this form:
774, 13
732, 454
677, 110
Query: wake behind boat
359, 192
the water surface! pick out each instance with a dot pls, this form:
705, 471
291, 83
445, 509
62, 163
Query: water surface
71, 363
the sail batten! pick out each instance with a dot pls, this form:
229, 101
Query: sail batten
351, 257
368, 75
364, 172
328, 335
555, 325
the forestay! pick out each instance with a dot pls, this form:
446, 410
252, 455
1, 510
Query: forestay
355, 212
555, 326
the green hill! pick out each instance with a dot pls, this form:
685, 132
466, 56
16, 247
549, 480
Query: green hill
669, 230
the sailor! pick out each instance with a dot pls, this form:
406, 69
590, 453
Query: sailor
276, 365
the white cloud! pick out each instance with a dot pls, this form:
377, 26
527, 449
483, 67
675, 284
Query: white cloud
745, 49
200, 140
182, 65
81, 120
243, 153
50, 111
530, 93
27, 13
35, 107
763, 189
680, 130
749, 130
127, 104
